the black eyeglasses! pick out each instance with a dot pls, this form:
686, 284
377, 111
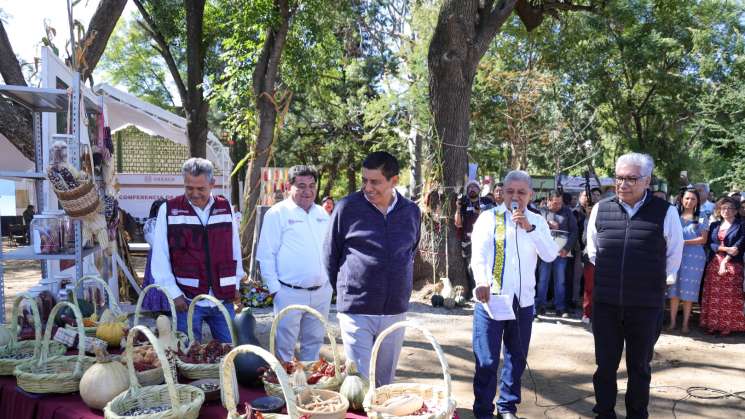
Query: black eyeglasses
630, 180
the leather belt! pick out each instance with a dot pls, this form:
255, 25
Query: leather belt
295, 287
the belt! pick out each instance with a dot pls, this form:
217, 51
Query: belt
295, 287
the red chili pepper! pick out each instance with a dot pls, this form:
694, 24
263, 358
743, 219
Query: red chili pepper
313, 379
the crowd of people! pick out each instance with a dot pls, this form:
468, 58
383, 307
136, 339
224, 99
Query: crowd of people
711, 266
618, 257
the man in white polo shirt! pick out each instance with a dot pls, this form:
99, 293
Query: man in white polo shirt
289, 256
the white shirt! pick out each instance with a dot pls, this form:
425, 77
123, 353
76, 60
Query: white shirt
390, 207
290, 246
160, 264
519, 271
672, 230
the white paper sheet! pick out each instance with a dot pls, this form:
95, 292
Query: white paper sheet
499, 307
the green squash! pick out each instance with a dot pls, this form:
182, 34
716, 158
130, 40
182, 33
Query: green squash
437, 300
86, 309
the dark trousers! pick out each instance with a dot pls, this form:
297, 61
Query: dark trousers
638, 328
488, 336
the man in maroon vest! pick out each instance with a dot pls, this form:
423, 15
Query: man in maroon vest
196, 250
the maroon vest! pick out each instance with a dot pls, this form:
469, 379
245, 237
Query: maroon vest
202, 255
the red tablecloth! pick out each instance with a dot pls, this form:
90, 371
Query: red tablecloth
17, 404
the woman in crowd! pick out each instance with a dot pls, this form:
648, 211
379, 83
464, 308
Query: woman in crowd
722, 302
695, 234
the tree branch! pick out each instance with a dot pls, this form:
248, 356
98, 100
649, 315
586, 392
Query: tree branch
10, 68
164, 50
100, 28
488, 27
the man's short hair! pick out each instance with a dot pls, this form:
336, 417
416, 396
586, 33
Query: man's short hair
197, 166
553, 193
327, 198
644, 162
302, 170
383, 161
518, 176
596, 189
499, 185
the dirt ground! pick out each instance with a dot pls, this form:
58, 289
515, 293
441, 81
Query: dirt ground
561, 362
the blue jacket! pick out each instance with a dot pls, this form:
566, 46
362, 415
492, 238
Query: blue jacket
735, 237
370, 257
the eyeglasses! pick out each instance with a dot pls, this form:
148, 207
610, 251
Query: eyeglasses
630, 180
727, 209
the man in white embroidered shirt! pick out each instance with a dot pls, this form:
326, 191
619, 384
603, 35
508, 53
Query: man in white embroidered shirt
507, 241
289, 256
196, 250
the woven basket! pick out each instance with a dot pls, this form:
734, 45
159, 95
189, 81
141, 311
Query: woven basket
183, 400
155, 376
436, 397
113, 304
229, 386
340, 413
200, 371
30, 348
332, 383
57, 374
80, 201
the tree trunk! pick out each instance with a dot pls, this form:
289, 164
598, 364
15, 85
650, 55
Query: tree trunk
333, 172
100, 28
415, 155
351, 172
196, 107
264, 78
464, 30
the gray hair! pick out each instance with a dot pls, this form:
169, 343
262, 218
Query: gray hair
197, 166
518, 176
643, 161
703, 186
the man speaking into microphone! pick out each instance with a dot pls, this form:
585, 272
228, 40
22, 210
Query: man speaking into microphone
506, 243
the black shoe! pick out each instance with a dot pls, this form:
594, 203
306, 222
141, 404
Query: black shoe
559, 313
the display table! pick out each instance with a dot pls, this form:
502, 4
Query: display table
17, 404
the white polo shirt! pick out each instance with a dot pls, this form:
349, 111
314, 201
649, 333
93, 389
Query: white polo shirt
291, 246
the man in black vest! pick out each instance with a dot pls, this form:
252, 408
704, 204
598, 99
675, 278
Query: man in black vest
635, 241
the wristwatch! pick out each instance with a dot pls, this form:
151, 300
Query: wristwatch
532, 228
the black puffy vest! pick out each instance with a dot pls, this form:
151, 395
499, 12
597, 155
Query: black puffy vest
630, 264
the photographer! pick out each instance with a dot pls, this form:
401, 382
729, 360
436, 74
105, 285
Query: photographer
469, 207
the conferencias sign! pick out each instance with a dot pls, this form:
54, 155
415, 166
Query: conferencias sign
138, 191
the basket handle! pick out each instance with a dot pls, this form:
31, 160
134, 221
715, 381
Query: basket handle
48, 335
316, 314
14, 321
227, 379
141, 298
379, 341
113, 305
218, 303
167, 372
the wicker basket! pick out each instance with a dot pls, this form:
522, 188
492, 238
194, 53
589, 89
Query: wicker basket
155, 376
183, 400
437, 397
113, 304
30, 348
57, 374
332, 383
229, 386
340, 413
80, 201
200, 371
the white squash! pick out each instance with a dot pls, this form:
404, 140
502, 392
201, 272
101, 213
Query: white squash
165, 334
354, 387
103, 381
402, 405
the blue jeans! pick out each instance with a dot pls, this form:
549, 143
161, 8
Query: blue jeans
488, 336
214, 318
546, 270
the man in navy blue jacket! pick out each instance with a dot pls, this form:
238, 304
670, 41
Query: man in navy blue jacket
369, 255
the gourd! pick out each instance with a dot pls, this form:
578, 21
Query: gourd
165, 334
449, 303
460, 300
109, 329
103, 381
247, 364
86, 310
4, 335
354, 387
437, 300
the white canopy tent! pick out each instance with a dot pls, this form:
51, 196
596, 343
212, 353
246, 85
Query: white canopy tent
124, 109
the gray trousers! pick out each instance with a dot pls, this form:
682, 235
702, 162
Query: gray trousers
299, 325
359, 331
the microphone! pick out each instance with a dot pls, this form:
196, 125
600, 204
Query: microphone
514, 206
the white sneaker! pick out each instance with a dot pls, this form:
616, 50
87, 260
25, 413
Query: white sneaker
585, 320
